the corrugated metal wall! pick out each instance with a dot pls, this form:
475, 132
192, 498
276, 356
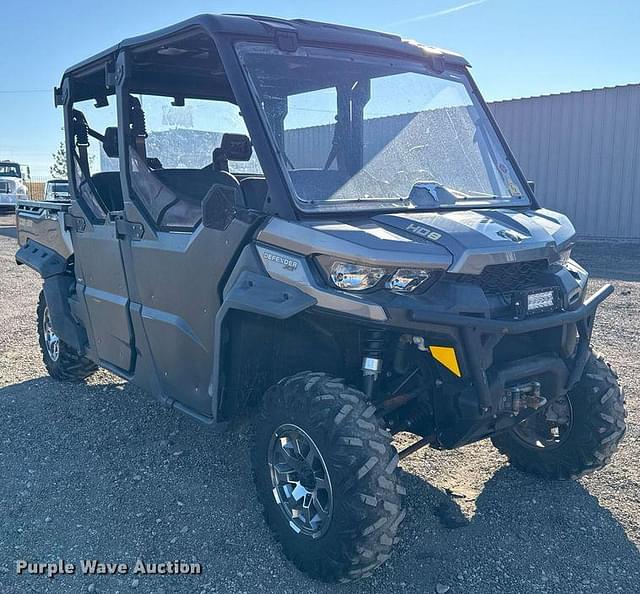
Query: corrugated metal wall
582, 149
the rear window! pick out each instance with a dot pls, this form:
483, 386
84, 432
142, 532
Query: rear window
9, 169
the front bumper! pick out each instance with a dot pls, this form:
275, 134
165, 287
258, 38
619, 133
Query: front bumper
8, 201
476, 339
587, 309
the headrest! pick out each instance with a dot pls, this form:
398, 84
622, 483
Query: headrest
236, 147
154, 163
110, 142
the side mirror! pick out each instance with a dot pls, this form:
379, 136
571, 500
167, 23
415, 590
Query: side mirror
532, 186
220, 206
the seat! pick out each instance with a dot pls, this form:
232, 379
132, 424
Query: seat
189, 186
254, 190
107, 184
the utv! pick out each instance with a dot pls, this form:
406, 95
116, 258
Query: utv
325, 223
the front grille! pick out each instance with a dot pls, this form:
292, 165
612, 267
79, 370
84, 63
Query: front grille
505, 278
5, 187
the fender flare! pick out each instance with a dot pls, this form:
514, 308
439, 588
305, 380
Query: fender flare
57, 286
45, 261
253, 293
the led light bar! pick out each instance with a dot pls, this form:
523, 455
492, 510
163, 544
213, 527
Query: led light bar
540, 301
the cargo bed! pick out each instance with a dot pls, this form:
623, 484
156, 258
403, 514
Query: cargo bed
43, 223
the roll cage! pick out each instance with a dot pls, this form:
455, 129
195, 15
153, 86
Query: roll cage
196, 59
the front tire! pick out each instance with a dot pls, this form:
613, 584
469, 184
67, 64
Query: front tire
61, 360
325, 473
595, 408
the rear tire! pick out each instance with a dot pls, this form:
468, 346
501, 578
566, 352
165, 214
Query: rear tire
362, 500
598, 424
62, 361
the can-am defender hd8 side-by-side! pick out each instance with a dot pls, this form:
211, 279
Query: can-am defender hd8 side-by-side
325, 224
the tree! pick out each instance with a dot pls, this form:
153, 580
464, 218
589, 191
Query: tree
59, 167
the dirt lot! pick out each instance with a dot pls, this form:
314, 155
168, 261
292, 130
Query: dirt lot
100, 471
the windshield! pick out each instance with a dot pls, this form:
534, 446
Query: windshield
355, 130
9, 170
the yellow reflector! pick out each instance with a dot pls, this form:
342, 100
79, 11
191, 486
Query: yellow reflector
446, 356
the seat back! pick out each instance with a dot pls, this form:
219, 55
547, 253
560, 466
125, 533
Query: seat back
107, 184
188, 187
190, 184
254, 190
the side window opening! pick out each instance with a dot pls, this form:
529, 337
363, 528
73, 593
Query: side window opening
95, 172
184, 141
177, 153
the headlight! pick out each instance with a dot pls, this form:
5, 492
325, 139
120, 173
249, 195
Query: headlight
406, 280
355, 277
565, 257
576, 271
579, 273
350, 276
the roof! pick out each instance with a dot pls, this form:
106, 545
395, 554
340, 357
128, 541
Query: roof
261, 27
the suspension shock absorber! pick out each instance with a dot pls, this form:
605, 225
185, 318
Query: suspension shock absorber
372, 343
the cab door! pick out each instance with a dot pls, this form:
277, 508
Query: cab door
101, 298
176, 277
176, 266
102, 286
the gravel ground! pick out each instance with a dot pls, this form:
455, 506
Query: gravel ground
101, 471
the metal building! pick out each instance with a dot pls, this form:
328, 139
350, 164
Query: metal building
582, 150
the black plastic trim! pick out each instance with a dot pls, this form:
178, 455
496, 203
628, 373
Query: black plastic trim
516, 326
57, 289
45, 261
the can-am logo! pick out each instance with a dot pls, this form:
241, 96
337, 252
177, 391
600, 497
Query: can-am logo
512, 235
424, 232
287, 263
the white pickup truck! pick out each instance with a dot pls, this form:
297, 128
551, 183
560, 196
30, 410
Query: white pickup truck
12, 186
56, 189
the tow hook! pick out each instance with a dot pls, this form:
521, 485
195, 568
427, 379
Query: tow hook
524, 396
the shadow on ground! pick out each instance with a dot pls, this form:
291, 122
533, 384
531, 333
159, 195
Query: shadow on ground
103, 472
552, 535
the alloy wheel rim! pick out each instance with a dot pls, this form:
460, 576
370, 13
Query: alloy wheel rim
51, 340
549, 428
301, 483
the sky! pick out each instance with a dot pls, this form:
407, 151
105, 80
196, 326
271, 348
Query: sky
517, 48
